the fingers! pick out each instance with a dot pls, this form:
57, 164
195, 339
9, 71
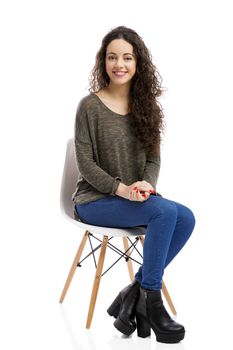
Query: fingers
145, 195
133, 194
141, 191
145, 186
141, 196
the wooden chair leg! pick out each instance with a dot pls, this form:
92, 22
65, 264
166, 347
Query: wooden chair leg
74, 266
97, 281
129, 261
168, 298
164, 288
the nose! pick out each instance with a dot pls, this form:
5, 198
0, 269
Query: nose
120, 62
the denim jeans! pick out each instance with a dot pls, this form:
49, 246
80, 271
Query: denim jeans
169, 226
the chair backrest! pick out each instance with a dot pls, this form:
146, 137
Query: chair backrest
69, 180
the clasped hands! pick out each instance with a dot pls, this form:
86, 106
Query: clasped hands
140, 191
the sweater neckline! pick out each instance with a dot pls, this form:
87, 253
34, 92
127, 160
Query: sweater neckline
107, 108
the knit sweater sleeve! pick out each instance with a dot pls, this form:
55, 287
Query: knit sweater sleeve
87, 166
152, 168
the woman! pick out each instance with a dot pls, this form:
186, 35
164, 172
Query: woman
117, 141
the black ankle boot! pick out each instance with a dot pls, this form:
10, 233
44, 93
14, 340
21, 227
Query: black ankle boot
151, 313
123, 308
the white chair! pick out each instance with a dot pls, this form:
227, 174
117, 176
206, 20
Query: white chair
69, 180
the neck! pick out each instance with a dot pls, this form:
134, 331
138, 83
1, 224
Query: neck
120, 92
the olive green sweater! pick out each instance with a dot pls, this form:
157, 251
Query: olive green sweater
107, 152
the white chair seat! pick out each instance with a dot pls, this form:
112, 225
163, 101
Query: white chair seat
110, 231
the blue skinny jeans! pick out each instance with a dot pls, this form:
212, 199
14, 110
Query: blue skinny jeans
169, 226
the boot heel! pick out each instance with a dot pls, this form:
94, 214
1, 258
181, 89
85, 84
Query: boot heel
114, 308
143, 327
126, 329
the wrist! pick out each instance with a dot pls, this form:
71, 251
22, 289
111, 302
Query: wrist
121, 190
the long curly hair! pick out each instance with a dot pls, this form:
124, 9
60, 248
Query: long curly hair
146, 112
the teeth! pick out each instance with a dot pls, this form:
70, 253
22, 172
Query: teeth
120, 73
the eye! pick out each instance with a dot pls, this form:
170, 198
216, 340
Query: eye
128, 58
111, 57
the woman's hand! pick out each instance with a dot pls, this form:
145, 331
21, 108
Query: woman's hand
139, 191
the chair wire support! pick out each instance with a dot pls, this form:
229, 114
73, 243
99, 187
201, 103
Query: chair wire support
137, 239
92, 251
115, 249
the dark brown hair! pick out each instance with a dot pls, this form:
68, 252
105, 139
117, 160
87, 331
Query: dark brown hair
147, 115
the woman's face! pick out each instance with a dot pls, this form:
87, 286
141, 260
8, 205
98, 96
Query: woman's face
120, 62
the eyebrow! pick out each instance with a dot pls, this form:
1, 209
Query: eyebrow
113, 53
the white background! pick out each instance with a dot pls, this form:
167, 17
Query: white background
47, 51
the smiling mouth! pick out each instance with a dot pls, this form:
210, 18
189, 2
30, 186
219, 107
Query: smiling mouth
119, 74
